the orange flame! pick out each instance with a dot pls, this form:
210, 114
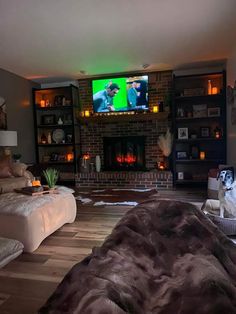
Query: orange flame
129, 158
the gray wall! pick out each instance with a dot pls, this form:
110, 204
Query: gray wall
231, 129
17, 92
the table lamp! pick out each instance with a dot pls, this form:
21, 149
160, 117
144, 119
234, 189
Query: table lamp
8, 139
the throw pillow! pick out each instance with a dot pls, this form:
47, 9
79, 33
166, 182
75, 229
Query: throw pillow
5, 167
18, 169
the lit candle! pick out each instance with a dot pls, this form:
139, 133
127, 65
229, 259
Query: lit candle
42, 103
214, 90
209, 89
161, 165
36, 182
86, 156
155, 109
70, 157
202, 155
217, 133
86, 113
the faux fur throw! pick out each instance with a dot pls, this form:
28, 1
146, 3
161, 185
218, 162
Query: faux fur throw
162, 257
23, 205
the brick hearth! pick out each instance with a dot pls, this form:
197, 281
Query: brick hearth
108, 179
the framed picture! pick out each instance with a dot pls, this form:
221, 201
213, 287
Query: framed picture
182, 133
3, 114
59, 100
205, 132
180, 113
181, 155
54, 157
180, 175
48, 119
214, 112
195, 152
199, 111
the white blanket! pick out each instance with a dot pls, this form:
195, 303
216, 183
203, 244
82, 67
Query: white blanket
22, 205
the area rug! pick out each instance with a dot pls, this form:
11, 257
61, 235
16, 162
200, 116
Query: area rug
113, 197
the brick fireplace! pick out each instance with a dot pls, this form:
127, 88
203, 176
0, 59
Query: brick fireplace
145, 127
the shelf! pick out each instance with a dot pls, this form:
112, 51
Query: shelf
192, 118
199, 139
53, 108
199, 160
111, 117
200, 98
57, 163
54, 144
52, 126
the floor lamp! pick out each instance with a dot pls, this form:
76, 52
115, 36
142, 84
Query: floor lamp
7, 140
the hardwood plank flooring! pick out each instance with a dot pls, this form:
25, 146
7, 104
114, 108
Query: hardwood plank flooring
28, 281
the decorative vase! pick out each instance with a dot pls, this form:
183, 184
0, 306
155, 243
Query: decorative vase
98, 163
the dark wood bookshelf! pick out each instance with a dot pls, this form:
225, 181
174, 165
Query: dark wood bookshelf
185, 115
57, 103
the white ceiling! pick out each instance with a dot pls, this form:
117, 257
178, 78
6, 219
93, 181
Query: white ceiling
54, 40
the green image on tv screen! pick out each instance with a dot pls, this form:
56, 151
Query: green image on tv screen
120, 94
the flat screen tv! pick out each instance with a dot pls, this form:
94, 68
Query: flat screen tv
120, 94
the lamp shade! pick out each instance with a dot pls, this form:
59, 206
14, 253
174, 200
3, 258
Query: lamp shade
8, 138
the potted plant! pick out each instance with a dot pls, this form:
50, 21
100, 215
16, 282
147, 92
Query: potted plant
16, 157
51, 175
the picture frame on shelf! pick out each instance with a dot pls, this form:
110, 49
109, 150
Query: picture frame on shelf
213, 112
182, 133
205, 132
194, 152
48, 119
59, 100
54, 157
180, 175
180, 113
200, 111
181, 155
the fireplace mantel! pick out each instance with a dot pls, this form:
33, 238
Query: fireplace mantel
116, 117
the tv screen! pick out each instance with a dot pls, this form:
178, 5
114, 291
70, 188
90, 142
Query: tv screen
120, 94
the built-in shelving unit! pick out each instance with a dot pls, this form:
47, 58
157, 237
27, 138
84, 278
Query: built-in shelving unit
199, 125
57, 132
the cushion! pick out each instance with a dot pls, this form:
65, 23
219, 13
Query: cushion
211, 208
9, 250
18, 169
5, 167
9, 184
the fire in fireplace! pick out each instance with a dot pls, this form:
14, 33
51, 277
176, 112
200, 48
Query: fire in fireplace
124, 153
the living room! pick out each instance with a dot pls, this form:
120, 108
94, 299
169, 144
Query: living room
52, 46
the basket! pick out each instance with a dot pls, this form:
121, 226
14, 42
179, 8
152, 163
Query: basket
226, 225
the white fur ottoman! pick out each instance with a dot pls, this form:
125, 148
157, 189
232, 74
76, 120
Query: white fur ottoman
30, 219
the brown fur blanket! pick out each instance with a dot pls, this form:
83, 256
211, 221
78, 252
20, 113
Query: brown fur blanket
162, 257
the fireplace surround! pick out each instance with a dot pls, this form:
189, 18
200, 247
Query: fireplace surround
96, 132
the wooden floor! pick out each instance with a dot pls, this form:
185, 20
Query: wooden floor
27, 282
